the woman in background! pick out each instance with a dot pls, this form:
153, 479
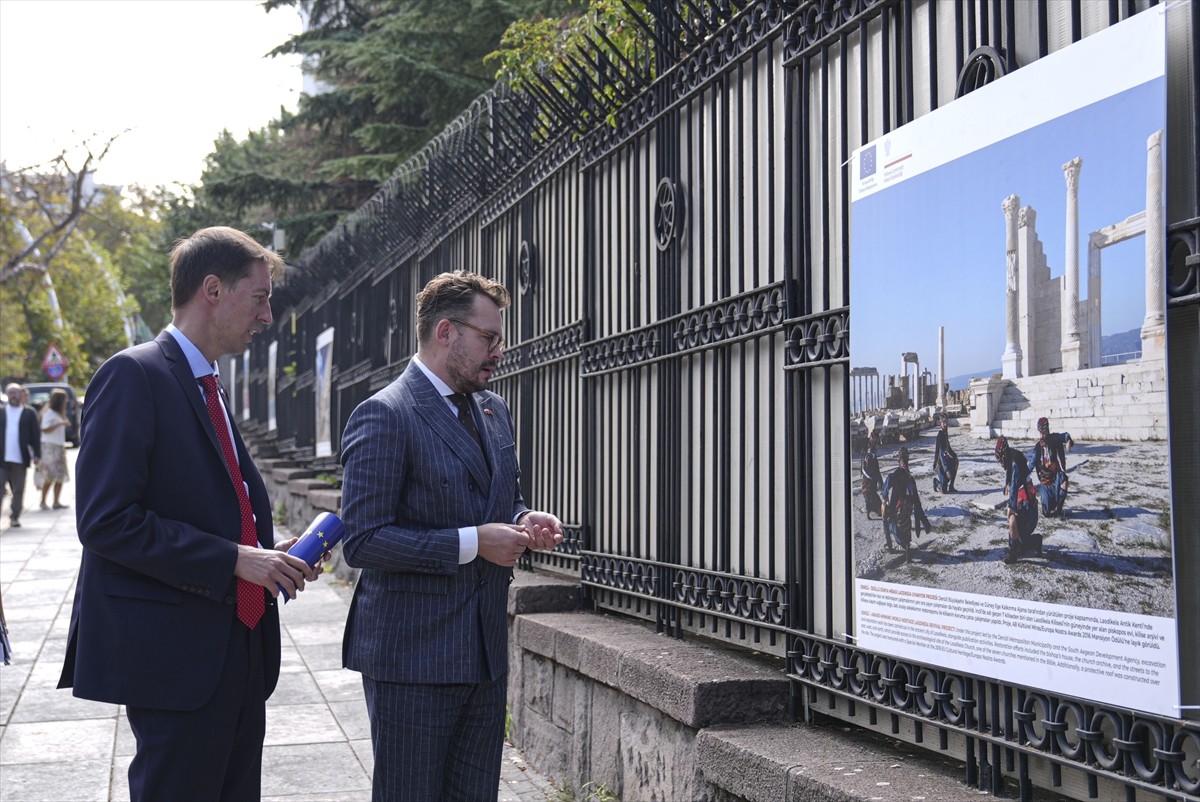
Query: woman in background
53, 468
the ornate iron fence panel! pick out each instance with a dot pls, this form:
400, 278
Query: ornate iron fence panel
684, 372
678, 345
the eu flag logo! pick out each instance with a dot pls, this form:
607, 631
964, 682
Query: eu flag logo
866, 162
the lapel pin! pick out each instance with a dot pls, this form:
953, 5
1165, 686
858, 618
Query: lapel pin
487, 411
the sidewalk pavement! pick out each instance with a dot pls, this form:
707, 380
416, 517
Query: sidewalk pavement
57, 748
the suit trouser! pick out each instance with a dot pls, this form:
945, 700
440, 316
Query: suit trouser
215, 752
436, 742
14, 476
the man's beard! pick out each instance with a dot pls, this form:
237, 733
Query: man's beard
464, 375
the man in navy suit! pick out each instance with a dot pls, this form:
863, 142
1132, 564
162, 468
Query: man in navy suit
174, 613
22, 446
435, 518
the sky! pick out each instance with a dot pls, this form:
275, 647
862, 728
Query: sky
170, 74
929, 251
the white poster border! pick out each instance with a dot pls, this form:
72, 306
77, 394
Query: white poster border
1123, 659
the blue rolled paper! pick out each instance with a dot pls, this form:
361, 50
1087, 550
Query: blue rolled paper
325, 531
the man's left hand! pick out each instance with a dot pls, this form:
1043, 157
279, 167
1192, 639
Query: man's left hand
544, 530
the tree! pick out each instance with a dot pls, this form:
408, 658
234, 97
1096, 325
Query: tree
64, 243
398, 71
130, 228
59, 198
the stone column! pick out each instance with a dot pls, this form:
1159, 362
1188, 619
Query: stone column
1095, 310
1070, 300
1153, 327
941, 393
917, 388
1011, 360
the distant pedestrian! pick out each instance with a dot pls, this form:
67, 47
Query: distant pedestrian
52, 470
22, 446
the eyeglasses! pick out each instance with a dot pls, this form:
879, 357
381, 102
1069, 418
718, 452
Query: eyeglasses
494, 340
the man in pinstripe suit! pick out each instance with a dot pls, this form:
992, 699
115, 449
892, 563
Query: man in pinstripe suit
435, 518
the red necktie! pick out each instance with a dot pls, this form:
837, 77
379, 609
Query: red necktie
250, 599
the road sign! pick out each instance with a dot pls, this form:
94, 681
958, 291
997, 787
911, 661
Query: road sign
55, 364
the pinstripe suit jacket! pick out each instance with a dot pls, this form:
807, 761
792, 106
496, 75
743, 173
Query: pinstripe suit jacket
413, 475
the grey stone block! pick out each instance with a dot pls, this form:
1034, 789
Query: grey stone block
325, 498
302, 486
535, 636
566, 683
604, 765
695, 683
824, 763
539, 684
536, 592
550, 744
288, 472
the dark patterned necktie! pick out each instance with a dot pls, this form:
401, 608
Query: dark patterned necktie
465, 417
250, 599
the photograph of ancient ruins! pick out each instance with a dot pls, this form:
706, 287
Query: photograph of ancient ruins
1020, 282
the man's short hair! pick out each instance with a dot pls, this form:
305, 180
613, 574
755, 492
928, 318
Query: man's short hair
452, 295
221, 251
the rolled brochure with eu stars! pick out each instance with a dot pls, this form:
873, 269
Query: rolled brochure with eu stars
325, 531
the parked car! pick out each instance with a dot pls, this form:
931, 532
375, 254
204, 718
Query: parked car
39, 394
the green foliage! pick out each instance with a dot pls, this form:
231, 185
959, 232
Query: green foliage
591, 792
397, 71
100, 257
543, 56
130, 228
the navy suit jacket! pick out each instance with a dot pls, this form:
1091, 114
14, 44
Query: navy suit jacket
29, 434
160, 526
413, 475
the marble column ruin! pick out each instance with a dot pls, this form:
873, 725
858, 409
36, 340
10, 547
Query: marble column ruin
1071, 346
1153, 327
941, 393
1011, 360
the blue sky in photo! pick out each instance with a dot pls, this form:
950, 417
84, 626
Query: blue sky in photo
930, 251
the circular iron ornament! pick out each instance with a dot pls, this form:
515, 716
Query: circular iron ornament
901, 682
1183, 264
924, 693
1032, 716
876, 678
1072, 717
984, 65
668, 213
856, 673
843, 671
812, 338
1148, 764
526, 269
1110, 727
836, 336
954, 711
1179, 767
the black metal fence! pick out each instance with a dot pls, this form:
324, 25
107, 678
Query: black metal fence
679, 354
